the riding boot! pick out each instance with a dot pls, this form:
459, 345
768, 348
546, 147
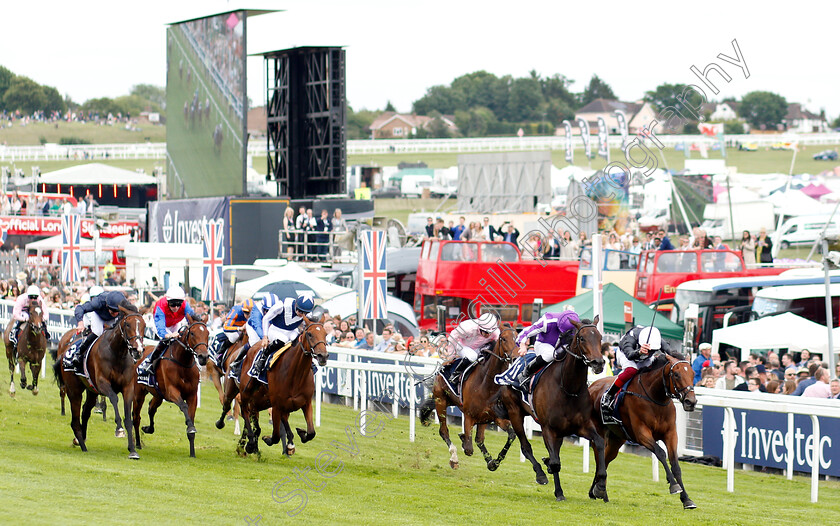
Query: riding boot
236, 365
262, 358
13, 335
46, 332
608, 400
530, 369
458, 370
78, 358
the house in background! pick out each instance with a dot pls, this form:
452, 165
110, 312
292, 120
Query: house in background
721, 111
800, 120
392, 125
639, 114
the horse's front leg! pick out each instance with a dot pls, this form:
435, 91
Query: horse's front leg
310, 423
22, 368
511, 436
106, 389
645, 438
440, 408
128, 400
671, 445
11, 359
35, 368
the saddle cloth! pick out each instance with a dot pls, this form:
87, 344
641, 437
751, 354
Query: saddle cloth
72, 359
446, 372
262, 376
145, 374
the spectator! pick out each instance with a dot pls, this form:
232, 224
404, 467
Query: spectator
762, 373
834, 387
489, 230
748, 248
754, 385
338, 222
368, 343
476, 233
775, 369
819, 388
81, 207
664, 242
344, 326
790, 387
790, 375
774, 387
718, 244
387, 344
702, 360
730, 380
751, 374
511, 233
288, 231
458, 230
569, 248
440, 231
360, 336
808, 380
763, 247
322, 225
430, 228
804, 357
329, 327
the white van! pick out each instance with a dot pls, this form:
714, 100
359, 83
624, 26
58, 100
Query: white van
807, 301
805, 230
413, 185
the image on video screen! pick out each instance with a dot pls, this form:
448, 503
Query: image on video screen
206, 106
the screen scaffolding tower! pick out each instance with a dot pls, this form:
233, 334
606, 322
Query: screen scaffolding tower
306, 113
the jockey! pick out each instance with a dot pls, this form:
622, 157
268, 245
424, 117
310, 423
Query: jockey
93, 292
232, 328
634, 353
281, 325
254, 330
170, 311
469, 337
21, 311
94, 314
553, 331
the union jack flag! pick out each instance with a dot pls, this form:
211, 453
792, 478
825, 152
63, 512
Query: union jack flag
3, 235
71, 253
374, 275
214, 256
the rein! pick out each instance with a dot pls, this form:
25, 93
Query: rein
575, 343
122, 329
504, 357
185, 331
670, 394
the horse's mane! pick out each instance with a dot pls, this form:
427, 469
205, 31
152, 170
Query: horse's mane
127, 305
658, 362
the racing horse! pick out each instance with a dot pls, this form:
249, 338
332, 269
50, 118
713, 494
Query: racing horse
647, 416
477, 391
31, 347
291, 386
177, 379
560, 401
110, 364
218, 374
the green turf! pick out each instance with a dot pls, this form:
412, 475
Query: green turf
94, 133
205, 170
390, 481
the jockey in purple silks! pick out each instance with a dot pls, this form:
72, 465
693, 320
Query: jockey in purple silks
553, 330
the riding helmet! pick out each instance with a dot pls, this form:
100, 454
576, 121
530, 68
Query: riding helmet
175, 293
114, 299
651, 336
33, 290
248, 306
304, 303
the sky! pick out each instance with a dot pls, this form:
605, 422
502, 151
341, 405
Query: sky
396, 50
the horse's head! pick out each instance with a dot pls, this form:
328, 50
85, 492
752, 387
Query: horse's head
586, 344
506, 346
132, 327
679, 382
36, 314
314, 341
195, 338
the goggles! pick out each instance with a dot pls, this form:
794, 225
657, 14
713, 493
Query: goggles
174, 303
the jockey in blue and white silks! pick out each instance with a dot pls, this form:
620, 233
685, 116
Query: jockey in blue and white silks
553, 331
281, 325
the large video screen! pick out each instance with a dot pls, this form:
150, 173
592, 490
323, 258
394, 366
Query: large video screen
206, 106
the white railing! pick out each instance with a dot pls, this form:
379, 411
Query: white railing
258, 147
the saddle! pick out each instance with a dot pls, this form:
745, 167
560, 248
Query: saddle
274, 354
446, 372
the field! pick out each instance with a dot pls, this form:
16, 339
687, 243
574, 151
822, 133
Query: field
92, 133
389, 481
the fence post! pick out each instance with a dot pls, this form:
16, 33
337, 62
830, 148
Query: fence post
729, 448
789, 445
318, 395
815, 464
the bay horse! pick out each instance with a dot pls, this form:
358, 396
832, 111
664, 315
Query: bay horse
110, 364
218, 374
477, 391
648, 416
177, 379
560, 401
31, 347
291, 386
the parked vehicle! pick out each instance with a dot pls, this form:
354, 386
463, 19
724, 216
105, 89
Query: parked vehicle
413, 185
826, 155
805, 230
807, 301
387, 192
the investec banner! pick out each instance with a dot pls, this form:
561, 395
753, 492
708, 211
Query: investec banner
761, 439
183, 220
379, 385
51, 226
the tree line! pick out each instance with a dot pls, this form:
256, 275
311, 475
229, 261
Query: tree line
19, 93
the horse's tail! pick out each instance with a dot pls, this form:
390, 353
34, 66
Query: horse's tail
57, 373
426, 410
498, 407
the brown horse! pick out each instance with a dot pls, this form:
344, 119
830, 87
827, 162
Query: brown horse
110, 364
217, 376
177, 379
477, 391
561, 401
31, 347
291, 386
647, 415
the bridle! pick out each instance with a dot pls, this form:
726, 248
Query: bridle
311, 352
185, 333
128, 340
504, 357
671, 375
577, 342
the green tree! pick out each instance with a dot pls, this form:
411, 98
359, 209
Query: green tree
154, 94
358, 123
733, 127
6, 78
557, 87
525, 100
836, 123
102, 105
763, 109
54, 102
666, 95
390, 107
24, 94
557, 110
597, 89
134, 104
438, 98
475, 122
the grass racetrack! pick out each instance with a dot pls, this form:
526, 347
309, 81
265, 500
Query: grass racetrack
389, 481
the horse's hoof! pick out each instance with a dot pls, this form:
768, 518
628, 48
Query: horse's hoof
676, 488
191, 430
689, 505
268, 441
598, 493
120, 433
149, 430
542, 480
290, 449
30, 387
251, 447
133, 455
220, 424
453, 465
492, 465
425, 423
75, 442
35, 391
561, 498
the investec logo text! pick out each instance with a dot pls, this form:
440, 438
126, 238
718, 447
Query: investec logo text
759, 443
177, 230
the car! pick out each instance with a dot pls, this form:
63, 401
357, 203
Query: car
386, 192
781, 146
826, 155
748, 147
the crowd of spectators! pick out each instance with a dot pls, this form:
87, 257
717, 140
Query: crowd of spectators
57, 294
306, 237
32, 204
808, 376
